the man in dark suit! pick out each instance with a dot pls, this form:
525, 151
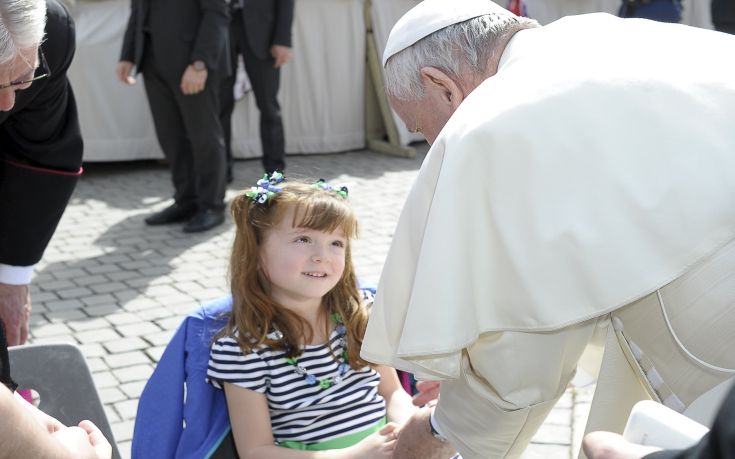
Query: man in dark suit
723, 15
180, 46
261, 32
40, 145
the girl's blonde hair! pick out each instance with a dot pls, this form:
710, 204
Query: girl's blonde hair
254, 313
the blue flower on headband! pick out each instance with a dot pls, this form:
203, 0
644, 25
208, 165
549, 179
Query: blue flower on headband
340, 190
265, 188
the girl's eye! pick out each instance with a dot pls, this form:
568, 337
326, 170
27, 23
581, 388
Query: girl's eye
302, 239
338, 244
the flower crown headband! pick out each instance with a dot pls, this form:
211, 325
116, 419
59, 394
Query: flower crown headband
266, 187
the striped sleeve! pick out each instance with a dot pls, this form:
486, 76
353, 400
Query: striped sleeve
227, 364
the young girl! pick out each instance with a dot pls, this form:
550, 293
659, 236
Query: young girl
289, 357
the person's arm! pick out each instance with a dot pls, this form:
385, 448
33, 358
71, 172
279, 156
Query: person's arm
281, 45
40, 163
508, 383
212, 34
398, 403
251, 429
21, 435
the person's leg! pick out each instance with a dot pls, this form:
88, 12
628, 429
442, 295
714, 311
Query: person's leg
200, 113
265, 80
227, 97
171, 136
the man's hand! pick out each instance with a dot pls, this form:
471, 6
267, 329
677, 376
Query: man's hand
123, 71
85, 441
280, 54
416, 441
193, 80
427, 392
608, 445
15, 312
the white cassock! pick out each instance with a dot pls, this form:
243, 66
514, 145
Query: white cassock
590, 181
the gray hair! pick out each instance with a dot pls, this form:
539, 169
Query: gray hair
459, 48
22, 24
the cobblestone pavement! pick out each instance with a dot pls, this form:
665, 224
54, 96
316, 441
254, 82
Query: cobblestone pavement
119, 289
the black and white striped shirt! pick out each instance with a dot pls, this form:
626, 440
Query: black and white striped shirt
299, 411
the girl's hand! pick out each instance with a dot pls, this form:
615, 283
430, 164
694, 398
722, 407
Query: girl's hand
378, 445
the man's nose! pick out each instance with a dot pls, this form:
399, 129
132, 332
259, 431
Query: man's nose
7, 99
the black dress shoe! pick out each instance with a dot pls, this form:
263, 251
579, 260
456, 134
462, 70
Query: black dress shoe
172, 214
204, 220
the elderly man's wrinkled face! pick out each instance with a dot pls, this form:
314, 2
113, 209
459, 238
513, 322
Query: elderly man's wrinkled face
16, 75
430, 113
420, 116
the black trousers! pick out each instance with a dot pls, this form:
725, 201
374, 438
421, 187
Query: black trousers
190, 135
265, 80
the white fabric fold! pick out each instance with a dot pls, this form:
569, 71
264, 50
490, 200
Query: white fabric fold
596, 166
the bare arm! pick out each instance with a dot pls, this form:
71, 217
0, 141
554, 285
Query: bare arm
417, 442
254, 438
397, 401
22, 435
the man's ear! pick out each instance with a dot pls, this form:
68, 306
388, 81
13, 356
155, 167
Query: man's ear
442, 87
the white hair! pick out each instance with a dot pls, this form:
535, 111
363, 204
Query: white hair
457, 49
22, 24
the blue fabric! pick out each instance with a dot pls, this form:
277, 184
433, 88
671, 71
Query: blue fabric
657, 10
162, 411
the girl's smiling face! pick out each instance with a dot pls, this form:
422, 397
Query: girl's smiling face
301, 264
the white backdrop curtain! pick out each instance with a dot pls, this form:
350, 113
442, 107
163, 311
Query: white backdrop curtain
322, 88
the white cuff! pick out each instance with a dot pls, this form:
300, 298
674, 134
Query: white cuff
15, 275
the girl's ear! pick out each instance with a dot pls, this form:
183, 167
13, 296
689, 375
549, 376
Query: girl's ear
441, 88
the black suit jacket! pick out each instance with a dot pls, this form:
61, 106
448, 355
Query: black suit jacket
181, 32
267, 23
40, 150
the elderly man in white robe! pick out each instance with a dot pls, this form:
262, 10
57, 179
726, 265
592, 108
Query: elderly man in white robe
579, 190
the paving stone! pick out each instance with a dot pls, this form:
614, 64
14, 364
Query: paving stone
109, 287
125, 345
54, 339
38, 296
155, 352
50, 330
112, 415
160, 338
134, 373
123, 430
536, 451
104, 379
122, 318
91, 350
102, 335
153, 314
126, 409
138, 329
124, 448
66, 316
75, 292
55, 286
90, 324
133, 389
127, 359
102, 309
111, 395
62, 305
96, 364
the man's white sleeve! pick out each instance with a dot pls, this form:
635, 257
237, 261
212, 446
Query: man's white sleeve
509, 383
